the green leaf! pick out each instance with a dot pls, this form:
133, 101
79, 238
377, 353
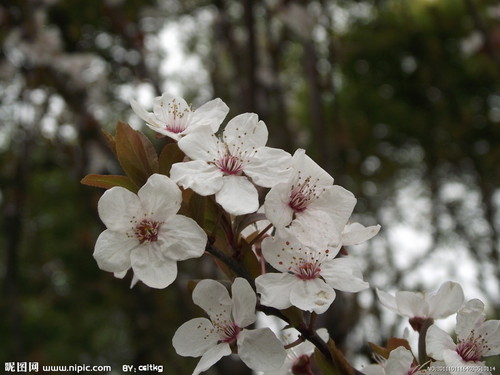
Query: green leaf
109, 181
136, 154
169, 155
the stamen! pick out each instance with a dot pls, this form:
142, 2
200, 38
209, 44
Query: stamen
302, 194
147, 231
229, 164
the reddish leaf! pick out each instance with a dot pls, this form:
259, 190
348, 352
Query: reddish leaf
108, 181
170, 155
136, 154
110, 140
395, 342
340, 364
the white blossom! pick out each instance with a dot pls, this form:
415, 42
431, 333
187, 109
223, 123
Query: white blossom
299, 355
173, 117
225, 331
437, 305
309, 206
308, 277
229, 167
476, 339
145, 233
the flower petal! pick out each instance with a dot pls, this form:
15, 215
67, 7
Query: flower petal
399, 361
446, 301
117, 206
490, 332
112, 251
149, 117
307, 167
469, 317
313, 228
160, 195
205, 179
387, 300
162, 107
195, 337
274, 289
312, 295
238, 196
211, 357
412, 304
337, 203
152, 268
437, 341
211, 113
214, 298
246, 132
260, 349
244, 301
269, 166
456, 364
276, 206
200, 144
183, 238
343, 274
280, 252
356, 233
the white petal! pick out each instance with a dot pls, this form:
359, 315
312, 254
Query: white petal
312, 295
162, 107
412, 304
149, 117
260, 349
309, 167
399, 361
469, 317
447, 300
244, 301
455, 364
117, 206
183, 238
490, 332
276, 205
356, 233
238, 196
269, 167
205, 179
245, 131
120, 275
200, 144
214, 298
211, 357
274, 289
161, 196
373, 369
280, 252
112, 251
387, 300
338, 203
343, 274
152, 268
211, 113
195, 337
313, 228
437, 341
